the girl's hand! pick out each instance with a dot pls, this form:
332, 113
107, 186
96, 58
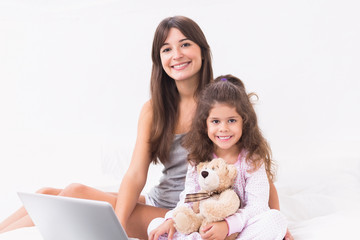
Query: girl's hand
288, 235
216, 231
165, 227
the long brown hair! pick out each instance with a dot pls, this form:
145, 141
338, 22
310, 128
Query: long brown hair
164, 94
228, 90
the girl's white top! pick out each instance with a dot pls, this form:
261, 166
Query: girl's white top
251, 186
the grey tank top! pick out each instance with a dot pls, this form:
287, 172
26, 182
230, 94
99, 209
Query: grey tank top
166, 193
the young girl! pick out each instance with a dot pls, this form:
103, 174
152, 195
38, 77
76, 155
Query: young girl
225, 125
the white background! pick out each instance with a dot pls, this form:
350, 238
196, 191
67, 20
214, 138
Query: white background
75, 73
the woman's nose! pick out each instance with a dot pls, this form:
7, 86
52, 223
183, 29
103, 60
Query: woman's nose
177, 53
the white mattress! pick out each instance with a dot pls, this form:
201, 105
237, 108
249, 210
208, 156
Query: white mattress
320, 203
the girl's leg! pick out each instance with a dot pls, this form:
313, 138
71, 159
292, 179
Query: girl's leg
268, 225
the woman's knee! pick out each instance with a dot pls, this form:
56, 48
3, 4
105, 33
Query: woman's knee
74, 190
49, 191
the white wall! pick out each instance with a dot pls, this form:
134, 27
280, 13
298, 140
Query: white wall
74, 75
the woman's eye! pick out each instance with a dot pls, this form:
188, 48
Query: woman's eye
186, 45
165, 50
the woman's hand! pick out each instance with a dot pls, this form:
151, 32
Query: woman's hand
215, 231
165, 227
288, 235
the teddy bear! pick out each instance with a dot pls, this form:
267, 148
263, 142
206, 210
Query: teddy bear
214, 202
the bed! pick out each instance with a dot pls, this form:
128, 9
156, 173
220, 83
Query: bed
318, 204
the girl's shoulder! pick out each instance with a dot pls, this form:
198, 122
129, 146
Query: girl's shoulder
246, 163
242, 158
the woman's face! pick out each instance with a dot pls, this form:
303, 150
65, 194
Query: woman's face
180, 57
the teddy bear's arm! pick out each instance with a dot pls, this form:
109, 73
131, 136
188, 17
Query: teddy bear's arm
220, 207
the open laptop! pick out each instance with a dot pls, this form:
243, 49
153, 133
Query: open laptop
64, 218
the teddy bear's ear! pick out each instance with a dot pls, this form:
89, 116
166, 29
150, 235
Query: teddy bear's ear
200, 166
232, 171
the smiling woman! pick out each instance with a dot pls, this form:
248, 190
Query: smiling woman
180, 57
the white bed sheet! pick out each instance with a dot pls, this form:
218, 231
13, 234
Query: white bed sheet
318, 205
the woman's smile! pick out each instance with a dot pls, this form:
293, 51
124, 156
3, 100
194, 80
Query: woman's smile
181, 66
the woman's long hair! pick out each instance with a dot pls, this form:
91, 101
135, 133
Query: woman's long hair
228, 90
164, 94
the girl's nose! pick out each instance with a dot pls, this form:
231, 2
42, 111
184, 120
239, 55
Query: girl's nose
223, 127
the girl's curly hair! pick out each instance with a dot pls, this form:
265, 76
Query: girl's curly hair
229, 90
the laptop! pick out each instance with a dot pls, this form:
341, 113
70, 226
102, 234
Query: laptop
64, 218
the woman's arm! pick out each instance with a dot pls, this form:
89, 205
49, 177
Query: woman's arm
135, 178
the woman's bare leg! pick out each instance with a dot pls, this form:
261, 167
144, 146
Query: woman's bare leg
140, 218
13, 220
21, 218
136, 227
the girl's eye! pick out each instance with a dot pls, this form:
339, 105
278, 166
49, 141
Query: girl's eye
232, 120
215, 121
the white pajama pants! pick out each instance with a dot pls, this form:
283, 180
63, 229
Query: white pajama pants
269, 225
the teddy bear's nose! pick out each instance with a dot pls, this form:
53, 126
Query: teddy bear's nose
204, 174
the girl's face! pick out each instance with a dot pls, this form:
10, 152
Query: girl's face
224, 126
180, 57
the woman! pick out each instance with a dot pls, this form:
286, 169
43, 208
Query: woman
181, 68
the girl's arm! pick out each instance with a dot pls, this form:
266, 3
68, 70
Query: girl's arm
275, 204
273, 198
135, 178
166, 227
256, 199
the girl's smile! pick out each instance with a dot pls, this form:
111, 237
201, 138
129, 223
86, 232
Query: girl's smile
224, 126
224, 138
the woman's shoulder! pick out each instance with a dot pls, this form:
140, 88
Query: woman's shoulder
146, 115
146, 111
147, 106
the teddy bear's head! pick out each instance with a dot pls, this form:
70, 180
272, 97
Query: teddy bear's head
216, 175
